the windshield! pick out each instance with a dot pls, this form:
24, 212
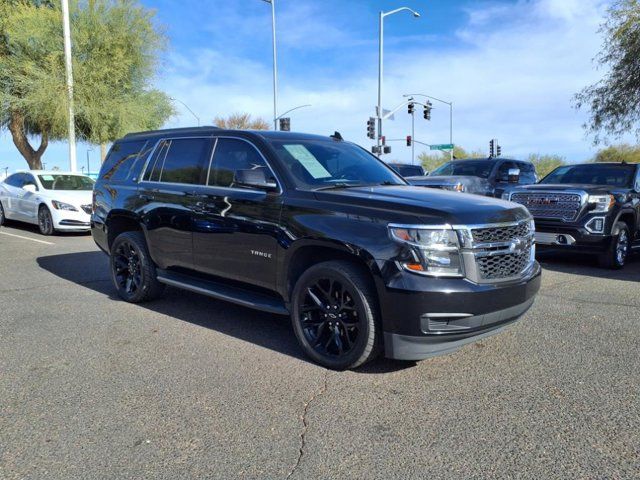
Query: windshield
408, 170
66, 182
593, 174
317, 164
472, 168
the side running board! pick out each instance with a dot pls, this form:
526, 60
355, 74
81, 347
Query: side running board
222, 291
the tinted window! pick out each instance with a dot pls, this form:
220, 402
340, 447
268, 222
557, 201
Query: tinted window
503, 171
66, 182
15, 180
326, 163
29, 180
232, 155
593, 174
155, 164
408, 170
185, 160
121, 158
527, 173
473, 168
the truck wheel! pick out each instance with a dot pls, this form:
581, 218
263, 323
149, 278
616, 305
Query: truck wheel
132, 270
335, 315
45, 222
616, 255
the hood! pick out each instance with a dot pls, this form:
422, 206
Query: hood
471, 184
74, 197
561, 187
430, 206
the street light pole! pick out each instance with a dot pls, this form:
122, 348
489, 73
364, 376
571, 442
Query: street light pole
88, 168
275, 63
66, 27
450, 114
379, 113
413, 134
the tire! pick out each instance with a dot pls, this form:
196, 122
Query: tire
132, 270
45, 221
2, 217
335, 315
616, 255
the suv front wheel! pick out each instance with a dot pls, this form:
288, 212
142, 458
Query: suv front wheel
335, 315
616, 255
132, 270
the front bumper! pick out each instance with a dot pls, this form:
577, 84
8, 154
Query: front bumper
576, 237
68, 221
424, 317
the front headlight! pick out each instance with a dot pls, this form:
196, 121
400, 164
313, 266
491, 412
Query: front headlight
434, 252
601, 203
458, 187
63, 206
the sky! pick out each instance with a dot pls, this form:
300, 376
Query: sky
510, 68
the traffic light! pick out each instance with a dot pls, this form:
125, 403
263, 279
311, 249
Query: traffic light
411, 108
285, 124
386, 149
409, 140
427, 111
492, 148
371, 128
376, 150
383, 140
498, 150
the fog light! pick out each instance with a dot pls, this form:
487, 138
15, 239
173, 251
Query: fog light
595, 225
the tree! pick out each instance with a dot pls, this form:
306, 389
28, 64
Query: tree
614, 101
115, 51
241, 121
619, 153
545, 163
431, 161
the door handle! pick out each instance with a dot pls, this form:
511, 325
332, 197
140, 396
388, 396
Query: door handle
146, 197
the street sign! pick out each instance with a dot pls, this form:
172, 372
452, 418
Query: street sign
443, 146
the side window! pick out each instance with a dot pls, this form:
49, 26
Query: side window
232, 155
185, 161
122, 156
503, 171
527, 173
152, 174
28, 180
637, 187
15, 180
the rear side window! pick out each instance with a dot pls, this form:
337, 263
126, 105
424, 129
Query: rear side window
121, 158
232, 155
527, 173
181, 160
15, 180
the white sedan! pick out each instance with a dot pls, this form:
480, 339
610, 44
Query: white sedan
55, 201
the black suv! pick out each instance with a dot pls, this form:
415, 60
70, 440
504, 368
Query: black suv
590, 208
316, 228
492, 177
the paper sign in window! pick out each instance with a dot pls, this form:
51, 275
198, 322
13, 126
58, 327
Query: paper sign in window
308, 161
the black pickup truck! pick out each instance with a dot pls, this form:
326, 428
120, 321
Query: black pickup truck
318, 229
590, 208
492, 176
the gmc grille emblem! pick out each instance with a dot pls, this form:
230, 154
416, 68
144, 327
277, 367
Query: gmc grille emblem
543, 201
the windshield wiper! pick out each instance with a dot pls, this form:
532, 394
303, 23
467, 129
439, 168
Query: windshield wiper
339, 185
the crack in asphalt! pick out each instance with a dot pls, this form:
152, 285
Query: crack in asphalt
305, 424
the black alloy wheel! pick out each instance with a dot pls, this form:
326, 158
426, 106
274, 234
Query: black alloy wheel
132, 270
45, 222
335, 315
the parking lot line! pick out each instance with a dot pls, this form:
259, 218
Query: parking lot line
26, 238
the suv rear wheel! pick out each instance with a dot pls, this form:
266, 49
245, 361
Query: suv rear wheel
616, 255
335, 315
132, 270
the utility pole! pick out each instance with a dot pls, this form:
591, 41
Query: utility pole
275, 63
66, 27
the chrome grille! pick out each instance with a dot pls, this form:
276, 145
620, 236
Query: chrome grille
508, 265
500, 234
500, 252
562, 206
87, 209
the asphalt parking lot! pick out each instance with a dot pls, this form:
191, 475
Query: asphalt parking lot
189, 387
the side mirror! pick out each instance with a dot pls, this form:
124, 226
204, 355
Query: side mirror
254, 178
30, 187
514, 175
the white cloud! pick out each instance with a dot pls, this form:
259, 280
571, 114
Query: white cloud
512, 77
